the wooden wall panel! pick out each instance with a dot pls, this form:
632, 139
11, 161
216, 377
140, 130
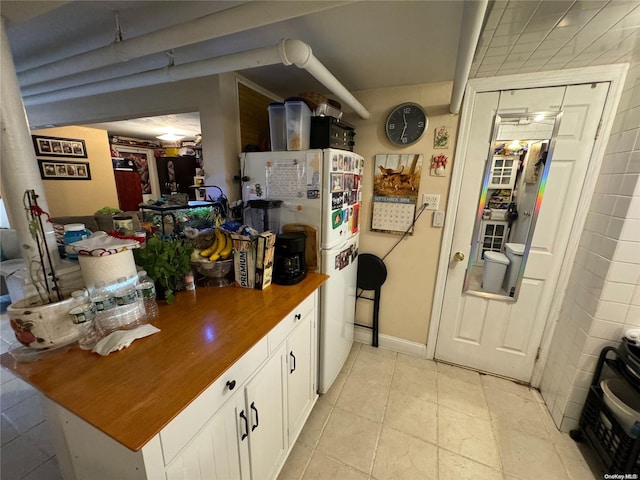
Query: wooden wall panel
254, 117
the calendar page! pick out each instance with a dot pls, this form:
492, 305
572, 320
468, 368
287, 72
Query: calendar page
395, 192
392, 216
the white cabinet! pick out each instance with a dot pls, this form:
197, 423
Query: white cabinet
300, 375
240, 428
246, 438
492, 237
503, 171
216, 453
265, 407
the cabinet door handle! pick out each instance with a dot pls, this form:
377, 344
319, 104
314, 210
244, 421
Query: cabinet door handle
246, 425
231, 384
297, 316
253, 407
293, 369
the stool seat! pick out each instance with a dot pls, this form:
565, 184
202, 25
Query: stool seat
372, 273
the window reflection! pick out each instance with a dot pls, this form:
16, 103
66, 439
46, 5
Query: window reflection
511, 196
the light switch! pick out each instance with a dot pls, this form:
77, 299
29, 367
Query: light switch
438, 218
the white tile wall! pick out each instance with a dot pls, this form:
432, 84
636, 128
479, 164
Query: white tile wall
603, 297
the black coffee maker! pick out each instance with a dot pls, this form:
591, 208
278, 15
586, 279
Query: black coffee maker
289, 266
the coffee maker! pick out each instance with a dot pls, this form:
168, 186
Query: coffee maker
289, 266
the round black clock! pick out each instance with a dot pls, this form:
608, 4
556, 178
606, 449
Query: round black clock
406, 123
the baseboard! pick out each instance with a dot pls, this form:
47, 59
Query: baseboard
363, 335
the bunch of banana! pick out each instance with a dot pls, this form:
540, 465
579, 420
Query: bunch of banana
221, 247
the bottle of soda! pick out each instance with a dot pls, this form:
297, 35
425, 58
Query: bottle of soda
146, 290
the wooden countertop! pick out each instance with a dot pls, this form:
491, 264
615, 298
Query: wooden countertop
132, 394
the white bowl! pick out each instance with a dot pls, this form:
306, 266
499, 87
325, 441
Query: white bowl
40, 326
624, 403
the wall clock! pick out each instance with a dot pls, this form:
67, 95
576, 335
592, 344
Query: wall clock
406, 123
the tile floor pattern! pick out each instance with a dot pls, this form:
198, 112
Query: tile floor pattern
388, 416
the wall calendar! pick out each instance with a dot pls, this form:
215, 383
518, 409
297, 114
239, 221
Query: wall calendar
395, 192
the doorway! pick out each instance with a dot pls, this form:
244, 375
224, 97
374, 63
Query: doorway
500, 334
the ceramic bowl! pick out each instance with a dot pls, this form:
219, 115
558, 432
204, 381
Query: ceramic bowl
40, 326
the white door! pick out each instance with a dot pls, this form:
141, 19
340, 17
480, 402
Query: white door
501, 336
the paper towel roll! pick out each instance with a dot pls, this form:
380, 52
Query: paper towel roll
108, 268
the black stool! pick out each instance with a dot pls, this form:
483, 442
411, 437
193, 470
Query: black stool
372, 273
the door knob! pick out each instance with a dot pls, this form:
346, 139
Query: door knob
458, 256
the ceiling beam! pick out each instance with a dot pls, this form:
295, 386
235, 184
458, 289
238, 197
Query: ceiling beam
247, 16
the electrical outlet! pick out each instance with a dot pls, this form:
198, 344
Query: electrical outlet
431, 200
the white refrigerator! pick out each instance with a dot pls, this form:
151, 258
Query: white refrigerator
320, 188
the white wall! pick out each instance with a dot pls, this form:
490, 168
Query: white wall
603, 296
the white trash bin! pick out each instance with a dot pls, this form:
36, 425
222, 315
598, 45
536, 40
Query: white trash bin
514, 252
495, 267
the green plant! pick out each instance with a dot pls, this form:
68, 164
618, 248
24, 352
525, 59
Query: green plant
108, 211
166, 261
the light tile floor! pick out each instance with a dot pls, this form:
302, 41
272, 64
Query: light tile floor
393, 416
388, 416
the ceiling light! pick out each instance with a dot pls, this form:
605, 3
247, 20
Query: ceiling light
538, 118
170, 137
515, 145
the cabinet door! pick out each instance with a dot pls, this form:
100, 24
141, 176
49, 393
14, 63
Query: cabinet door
299, 373
265, 410
503, 171
492, 236
216, 452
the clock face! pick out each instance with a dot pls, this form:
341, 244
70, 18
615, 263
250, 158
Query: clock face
406, 124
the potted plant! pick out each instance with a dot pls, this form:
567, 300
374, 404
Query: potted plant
166, 260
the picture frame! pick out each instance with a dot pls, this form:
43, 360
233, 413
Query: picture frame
64, 170
59, 147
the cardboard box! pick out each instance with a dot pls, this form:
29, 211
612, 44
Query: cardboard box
265, 251
244, 257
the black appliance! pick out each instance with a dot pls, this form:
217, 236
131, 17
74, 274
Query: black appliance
289, 266
329, 132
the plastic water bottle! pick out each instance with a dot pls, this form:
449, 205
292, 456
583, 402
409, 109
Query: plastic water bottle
130, 311
106, 321
146, 290
102, 297
83, 313
126, 293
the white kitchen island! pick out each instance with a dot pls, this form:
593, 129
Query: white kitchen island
221, 392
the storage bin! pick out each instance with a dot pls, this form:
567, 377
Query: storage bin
277, 127
298, 117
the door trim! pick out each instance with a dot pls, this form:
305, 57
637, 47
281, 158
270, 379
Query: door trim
615, 75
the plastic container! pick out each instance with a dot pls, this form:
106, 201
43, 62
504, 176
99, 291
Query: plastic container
146, 291
624, 403
298, 117
123, 224
74, 232
264, 215
277, 128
